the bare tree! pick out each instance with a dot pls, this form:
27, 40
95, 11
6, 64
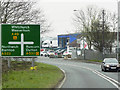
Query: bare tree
89, 22
21, 12
83, 22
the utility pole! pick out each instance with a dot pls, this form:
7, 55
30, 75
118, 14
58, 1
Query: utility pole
103, 14
118, 31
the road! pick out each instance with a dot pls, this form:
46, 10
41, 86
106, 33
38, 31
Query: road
83, 75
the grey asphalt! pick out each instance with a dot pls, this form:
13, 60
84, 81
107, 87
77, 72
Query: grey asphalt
77, 77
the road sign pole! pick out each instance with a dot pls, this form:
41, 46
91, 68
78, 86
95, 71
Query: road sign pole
84, 48
9, 60
33, 60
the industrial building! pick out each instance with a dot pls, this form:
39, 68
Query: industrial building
70, 39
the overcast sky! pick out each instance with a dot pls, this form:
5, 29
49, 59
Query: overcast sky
60, 12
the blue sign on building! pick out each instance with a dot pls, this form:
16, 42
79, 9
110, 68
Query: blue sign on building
64, 39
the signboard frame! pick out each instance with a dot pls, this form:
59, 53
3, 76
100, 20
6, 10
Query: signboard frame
20, 47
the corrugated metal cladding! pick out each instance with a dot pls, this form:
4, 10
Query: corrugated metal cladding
64, 39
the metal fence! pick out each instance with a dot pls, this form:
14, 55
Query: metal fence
92, 55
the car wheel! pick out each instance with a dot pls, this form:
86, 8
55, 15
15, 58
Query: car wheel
101, 68
118, 70
105, 69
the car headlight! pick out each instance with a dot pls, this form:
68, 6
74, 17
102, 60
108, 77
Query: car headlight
107, 65
118, 65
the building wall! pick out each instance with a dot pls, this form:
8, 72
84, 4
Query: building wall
64, 39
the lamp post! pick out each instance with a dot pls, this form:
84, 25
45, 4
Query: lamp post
118, 30
82, 38
103, 14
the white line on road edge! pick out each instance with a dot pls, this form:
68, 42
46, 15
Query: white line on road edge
62, 82
112, 81
106, 79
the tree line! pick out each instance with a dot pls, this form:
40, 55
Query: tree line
22, 12
98, 27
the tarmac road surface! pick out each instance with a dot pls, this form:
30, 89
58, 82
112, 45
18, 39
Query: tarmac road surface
83, 75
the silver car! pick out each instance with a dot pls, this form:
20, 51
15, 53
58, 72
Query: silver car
110, 64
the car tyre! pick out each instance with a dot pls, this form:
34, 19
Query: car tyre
105, 69
102, 69
118, 70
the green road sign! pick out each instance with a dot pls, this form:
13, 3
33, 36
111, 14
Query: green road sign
20, 40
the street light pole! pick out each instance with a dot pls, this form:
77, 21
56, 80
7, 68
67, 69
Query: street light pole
103, 13
118, 30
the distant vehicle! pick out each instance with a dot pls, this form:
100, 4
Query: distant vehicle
110, 64
50, 43
58, 50
42, 49
51, 54
59, 53
67, 53
44, 53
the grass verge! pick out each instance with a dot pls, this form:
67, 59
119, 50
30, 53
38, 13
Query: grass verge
95, 60
20, 76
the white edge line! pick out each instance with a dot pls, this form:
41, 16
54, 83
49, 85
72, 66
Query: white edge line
101, 75
106, 79
62, 82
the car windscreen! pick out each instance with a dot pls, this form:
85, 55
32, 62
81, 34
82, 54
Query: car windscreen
111, 61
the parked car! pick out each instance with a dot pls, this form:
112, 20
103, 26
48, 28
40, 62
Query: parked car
44, 53
110, 64
60, 53
51, 54
67, 53
58, 50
